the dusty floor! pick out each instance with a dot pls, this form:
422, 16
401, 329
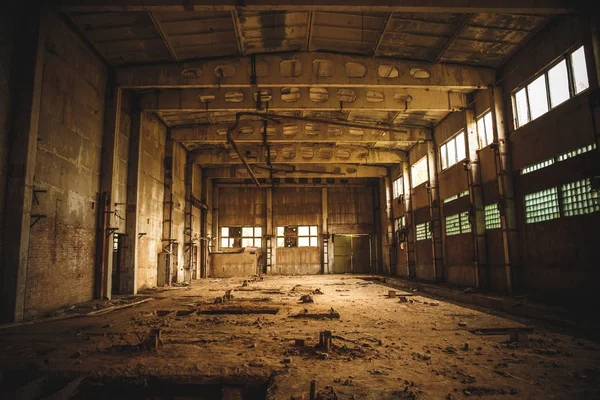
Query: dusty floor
382, 348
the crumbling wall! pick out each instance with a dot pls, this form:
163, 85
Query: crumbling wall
67, 173
227, 265
152, 181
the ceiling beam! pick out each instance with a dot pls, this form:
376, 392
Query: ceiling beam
309, 30
316, 99
382, 34
296, 131
157, 24
297, 153
438, 6
299, 171
238, 32
309, 70
450, 40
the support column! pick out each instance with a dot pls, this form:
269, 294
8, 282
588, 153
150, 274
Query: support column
506, 202
477, 208
434, 212
270, 232
188, 224
205, 228
592, 53
108, 186
28, 74
133, 202
385, 196
325, 232
409, 221
215, 217
165, 268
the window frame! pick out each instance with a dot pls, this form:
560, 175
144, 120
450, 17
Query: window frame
444, 149
313, 236
482, 117
412, 168
567, 57
398, 187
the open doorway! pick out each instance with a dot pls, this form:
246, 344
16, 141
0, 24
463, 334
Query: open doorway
352, 254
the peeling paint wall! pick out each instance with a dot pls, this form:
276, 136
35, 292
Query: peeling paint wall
152, 180
62, 245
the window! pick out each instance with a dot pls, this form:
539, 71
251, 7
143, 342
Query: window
252, 236
419, 172
457, 224
485, 129
579, 198
400, 229
551, 88
453, 150
456, 196
492, 216
541, 206
580, 77
230, 236
398, 187
297, 236
559, 158
422, 231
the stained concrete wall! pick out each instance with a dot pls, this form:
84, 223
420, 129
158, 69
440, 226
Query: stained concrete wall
62, 245
351, 210
179, 161
227, 265
242, 206
559, 258
152, 181
7, 42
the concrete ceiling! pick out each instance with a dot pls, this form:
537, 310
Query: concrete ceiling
176, 60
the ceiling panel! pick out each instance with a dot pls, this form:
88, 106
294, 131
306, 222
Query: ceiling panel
277, 31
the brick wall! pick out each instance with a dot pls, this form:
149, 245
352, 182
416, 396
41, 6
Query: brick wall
62, 245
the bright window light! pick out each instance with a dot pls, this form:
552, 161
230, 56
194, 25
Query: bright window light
580, 76
558, 78
538, 97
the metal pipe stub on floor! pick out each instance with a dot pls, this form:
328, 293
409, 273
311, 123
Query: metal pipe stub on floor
325, 341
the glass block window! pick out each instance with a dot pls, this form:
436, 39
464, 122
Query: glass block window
297, 236
457, 224
492, 216
485, 129
576, 152
463, 194
419, 173
465, 226
451, 198
541, 206
551, 88
422, 231
535, 167
453, 225
579, 198
252, 236
398, 187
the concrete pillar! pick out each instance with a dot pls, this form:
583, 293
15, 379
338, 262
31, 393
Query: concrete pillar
133, 202
326, 237
167, 258
434, 212
477, 209
28, 75
205, 228
108, 186
215, 217
270, 233
409, 221
506, 191
188, 224
385, 214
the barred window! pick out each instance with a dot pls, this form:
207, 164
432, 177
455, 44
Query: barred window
542, 206
251, 236
579, 198
492, 216
230, 236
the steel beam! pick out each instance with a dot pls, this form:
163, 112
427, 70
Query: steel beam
317, 99
300, 171
435, 6
304, 70
295, 131
298, 153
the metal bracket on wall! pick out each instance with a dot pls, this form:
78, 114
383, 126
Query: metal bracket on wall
37, 218
140, 234
35, 192
110, 231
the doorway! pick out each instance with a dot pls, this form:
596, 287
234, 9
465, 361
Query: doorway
352, 254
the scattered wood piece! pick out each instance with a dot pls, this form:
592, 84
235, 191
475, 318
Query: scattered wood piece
392, 294
299, 342
501, 331
239, 310
507, 375
329, 315
307, 298
119, 307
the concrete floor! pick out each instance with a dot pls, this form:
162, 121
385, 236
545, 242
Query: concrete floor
382, 348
